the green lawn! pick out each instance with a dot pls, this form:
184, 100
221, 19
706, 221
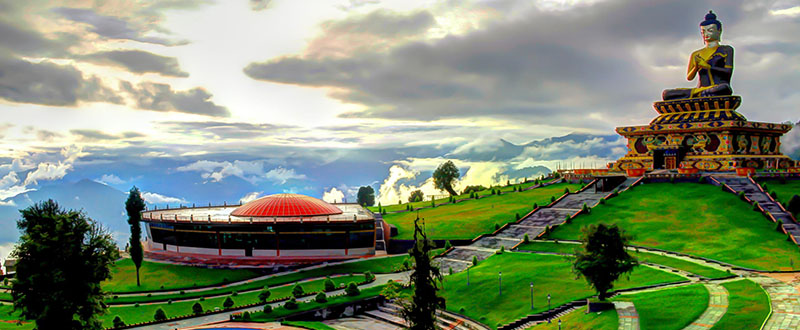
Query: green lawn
468, 219
313, 325
427, 201
132, 314
549, 274
155, 276
784, 191
280, 311
669, 309
696, 219
666, 260
580, 320
8, 320
748, 306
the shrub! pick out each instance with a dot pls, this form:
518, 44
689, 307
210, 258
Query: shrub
566, 190
702, 179
568, 220
321, 298
794, 205
352, 289
526, 239
496, 226
169, 301
264, 295
516, 215
235, 293
450, 271
228, 303
547, 230
290, 304
773, 194
502, 249
755, 206
118, 323
602, 201
368, 276
585, 208
267, 309
297, 291
246, 316
183, 292
535, 205
779, 225
136, 305
329, 285
160, 315
202, 298
552, 199
197, 309
462, 310
474, 260
741, 195
447, 244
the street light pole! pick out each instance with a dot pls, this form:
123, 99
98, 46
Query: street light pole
559, 324
548, 308
467, 276
500, 283
531, 295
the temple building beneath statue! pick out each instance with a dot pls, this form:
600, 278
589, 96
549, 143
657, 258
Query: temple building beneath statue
703, 134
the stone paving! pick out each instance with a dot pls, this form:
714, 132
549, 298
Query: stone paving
785, 301
717, 306
628, 317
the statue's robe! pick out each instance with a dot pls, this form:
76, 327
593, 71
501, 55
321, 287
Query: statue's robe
713, 81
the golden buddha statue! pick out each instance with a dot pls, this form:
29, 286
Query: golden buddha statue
713, 64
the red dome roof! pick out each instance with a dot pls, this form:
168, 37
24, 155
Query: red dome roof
285, 205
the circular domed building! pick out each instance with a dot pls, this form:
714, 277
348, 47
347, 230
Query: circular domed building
282, 228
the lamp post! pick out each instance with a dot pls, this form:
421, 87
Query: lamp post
467, 276
500, 283
548, 308
531, 295
559, 324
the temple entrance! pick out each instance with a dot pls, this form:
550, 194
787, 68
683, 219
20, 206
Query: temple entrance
248, 251
669, 162
658, 159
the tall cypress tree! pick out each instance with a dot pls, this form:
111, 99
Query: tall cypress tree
135, 205
420, 312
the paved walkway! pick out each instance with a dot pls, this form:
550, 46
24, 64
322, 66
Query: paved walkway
785, 301
628, 317
380, 279
717, 306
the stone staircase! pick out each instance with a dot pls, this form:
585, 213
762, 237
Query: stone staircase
380, 236
533, 224
389, 312
754, 193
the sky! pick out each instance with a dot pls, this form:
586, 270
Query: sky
222, 101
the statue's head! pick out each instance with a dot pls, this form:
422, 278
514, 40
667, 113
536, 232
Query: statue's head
711, 28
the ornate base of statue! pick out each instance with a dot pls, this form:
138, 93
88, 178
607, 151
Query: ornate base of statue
705, 134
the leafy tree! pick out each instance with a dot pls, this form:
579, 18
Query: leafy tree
267, 309
329, 285
416, 196
321, 297
62, 257
197, 309
134, 206
297, 291
160, 315
228, 303
118, 322
471, 189
603, 257
794, 205
368, 276
290, 304
352, 289
420, 311
366, 196
264, 295
444, 175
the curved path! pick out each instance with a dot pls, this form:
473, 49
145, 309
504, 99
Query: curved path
717, 306
785, 301
628, 317
206, 319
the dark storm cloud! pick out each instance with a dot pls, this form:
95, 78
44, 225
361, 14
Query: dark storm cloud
49, 84
226, 130
382, 23
96, 135
139, 61
111, 27
20, 40
161, 97
552, 67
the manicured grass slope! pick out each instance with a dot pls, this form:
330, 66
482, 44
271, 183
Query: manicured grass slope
153, 275
549, 274
748, 306
666, 260
427, 202
669, 309
697, 219
8, 320
468, 219
579, 320
784, 191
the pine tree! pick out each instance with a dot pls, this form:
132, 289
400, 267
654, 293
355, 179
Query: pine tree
420, 312
134, 206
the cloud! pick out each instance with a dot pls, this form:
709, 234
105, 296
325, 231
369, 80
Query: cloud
249, 197
22, 40
47, 171
96, 135
154, 198
161, 97
226, 130
333, 196
138, 61
48, 83
109, 179
281, 175
112, 27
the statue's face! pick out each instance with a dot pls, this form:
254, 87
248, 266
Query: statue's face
710, 33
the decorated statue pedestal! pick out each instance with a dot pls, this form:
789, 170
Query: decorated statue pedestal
703, 134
